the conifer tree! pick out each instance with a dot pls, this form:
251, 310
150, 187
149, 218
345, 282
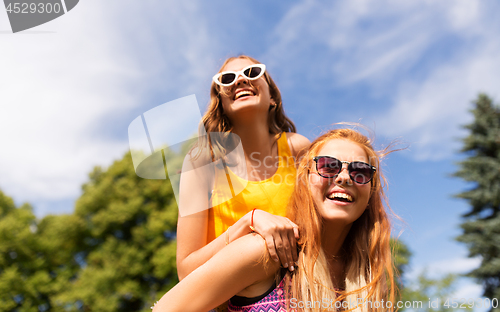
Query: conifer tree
481, 225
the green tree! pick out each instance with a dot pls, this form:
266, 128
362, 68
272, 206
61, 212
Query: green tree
425, 290
35, 257
127, 248
481, 226
423, 287
401, 255
17, 257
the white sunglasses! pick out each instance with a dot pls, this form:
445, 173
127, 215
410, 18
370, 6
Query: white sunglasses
251, 72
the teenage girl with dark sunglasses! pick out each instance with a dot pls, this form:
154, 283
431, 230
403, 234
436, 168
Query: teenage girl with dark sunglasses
345, 260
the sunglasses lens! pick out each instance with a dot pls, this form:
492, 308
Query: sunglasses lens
360, 172
227, 78
328, 167
252, 72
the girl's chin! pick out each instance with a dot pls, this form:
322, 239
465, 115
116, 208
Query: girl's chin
335, 221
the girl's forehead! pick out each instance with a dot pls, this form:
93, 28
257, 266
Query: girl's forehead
237, 64
343, 149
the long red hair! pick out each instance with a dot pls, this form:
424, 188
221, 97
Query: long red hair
369, 270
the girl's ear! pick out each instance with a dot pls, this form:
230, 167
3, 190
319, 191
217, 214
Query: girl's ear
273, 104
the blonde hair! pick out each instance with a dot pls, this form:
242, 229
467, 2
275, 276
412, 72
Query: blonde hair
369, 270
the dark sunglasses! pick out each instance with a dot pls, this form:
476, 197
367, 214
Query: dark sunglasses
329, 167
251, 72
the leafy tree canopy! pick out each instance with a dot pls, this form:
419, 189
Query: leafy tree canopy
116, 252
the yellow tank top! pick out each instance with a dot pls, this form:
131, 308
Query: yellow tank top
270, 195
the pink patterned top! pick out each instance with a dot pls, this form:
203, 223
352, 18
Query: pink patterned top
273, 300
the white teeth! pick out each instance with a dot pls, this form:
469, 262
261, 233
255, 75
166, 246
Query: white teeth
340, 195
242, 93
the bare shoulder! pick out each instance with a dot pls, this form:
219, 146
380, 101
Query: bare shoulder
298, 143
197, 157
196, 179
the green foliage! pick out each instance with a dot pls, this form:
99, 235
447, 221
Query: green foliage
401, 255
127, 250
431, 293
481, 227
423, 289
115, 253
401, 258
35, 257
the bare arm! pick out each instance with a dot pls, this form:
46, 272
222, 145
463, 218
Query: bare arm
192, 248
234, 269
280, 235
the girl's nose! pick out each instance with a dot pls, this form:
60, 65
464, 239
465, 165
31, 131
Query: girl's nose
240, 79
343, 176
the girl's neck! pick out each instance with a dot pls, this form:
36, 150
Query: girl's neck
336, 267
256, 140
332, 239
260, 148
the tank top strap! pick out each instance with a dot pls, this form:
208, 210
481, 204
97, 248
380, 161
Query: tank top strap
270, 195
283, 148
285, 154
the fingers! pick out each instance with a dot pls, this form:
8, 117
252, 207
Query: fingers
295, 229
286, 248
271, 247
293, 246
281, 237
288, 242
280, 249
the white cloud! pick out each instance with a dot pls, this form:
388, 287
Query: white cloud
469, 291
59, 89
54, 88
436, 269
463, 287
62, 83
463, 15
455, 265
430, 112
427, 60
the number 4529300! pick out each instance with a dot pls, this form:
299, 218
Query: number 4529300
32, 8
462, 303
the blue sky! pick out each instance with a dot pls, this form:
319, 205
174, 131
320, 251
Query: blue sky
406, 69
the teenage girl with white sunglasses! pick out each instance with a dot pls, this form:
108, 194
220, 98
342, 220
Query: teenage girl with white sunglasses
244, 100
